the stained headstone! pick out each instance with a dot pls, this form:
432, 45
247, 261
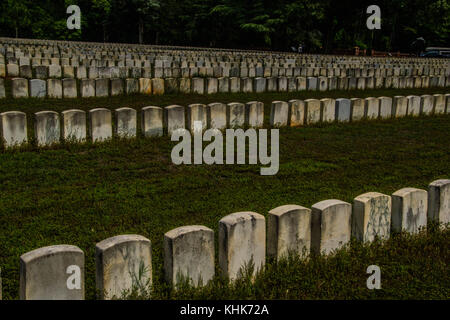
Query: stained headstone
189, 255
123, 266
330, 225
100, 128
13, 128
409, 210
126, 120
242, 240
288, 231
74, 125
46, 128
152, 121
439, 201
371, 216
52, 273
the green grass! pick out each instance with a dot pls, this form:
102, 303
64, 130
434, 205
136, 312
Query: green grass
82, 194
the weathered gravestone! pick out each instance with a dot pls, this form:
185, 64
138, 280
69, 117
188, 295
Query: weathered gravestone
69, 88
13, 128
236, 115
330, 225
102, 87
357, 108
126, 120
100, 128
313, 112
46, 128
297, 112
328, 109
131, 86
311, 83
372, 108
223, 84
123, 266
158, 86
152, 121
74, 125
260, 85
288, 231
189, 255
439, 103
216, 114
371, 216
343, 110
235, 85
198, 85
413, 105
145, 86
385, 107
54, 71
426, 104
409, 210
399, 106
41, 72
439, 201
87, 88
54, 88
19, 88
38, 88
12, 70
212, 85
242, 240
174, 118
117, 87
26, 72
195, 113
254, 114
279, 113
171, 85
52, 273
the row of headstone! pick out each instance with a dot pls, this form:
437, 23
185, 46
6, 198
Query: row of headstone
35, 55
124, 263
44, 72
77, 52
50, 127
304, 112
86, 88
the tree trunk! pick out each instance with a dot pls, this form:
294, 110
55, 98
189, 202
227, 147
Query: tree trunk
141, 31
17, 32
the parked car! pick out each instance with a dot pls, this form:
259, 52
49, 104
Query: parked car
436, 52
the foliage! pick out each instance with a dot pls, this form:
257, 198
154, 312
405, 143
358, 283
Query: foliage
320, 25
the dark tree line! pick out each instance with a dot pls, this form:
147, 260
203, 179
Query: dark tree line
320, 25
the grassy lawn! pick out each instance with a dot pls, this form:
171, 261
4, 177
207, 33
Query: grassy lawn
82, 194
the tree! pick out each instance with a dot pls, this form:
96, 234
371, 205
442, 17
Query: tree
103, 11
16, 13
147, 11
